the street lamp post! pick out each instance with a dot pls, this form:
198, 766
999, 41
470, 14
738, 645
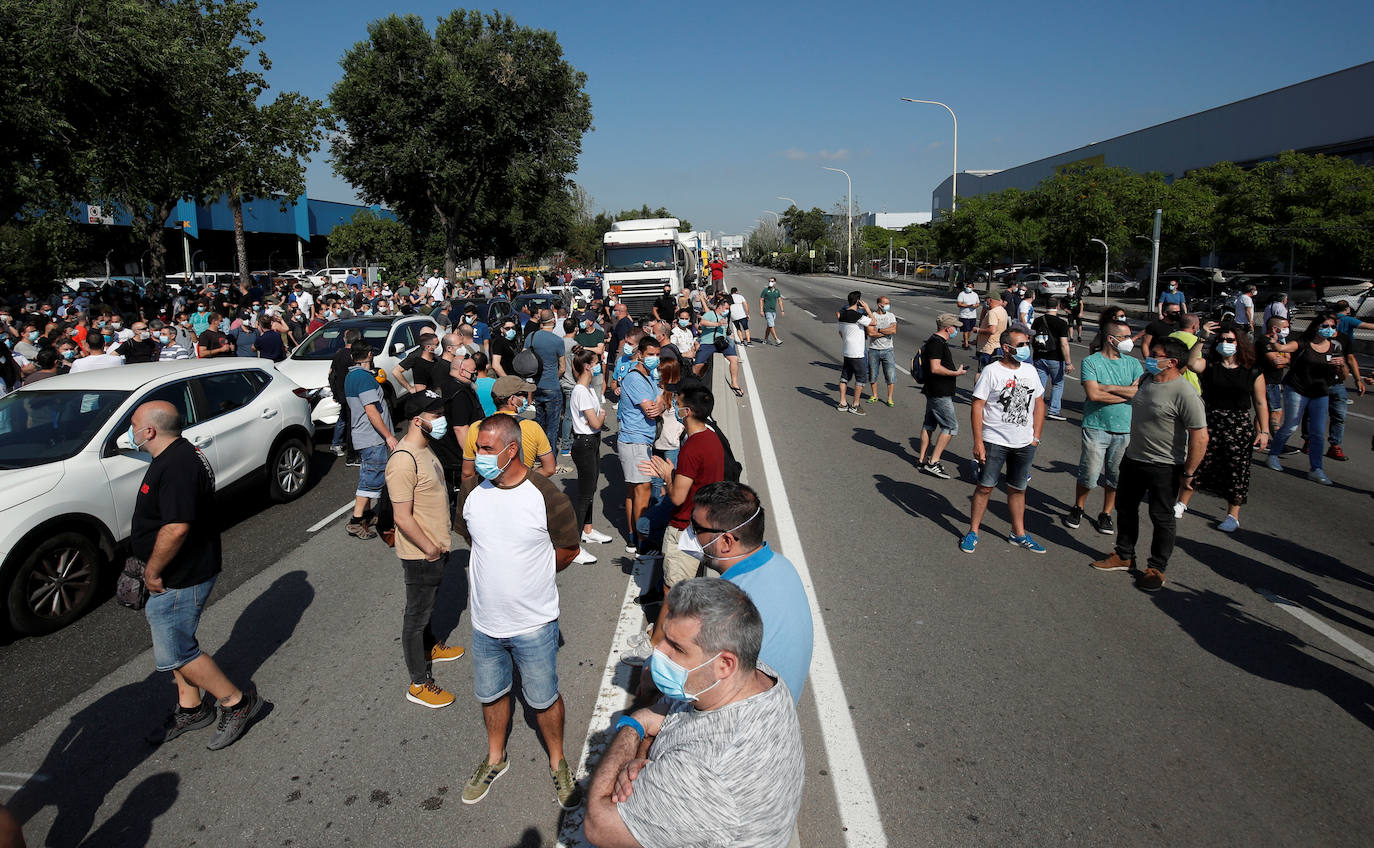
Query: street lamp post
954, 176
1106, 257
849, 224
906, 260
788, 199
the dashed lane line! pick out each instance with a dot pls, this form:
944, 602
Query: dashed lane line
324, 522
848, 773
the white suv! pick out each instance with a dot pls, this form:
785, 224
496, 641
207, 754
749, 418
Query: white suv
69, 476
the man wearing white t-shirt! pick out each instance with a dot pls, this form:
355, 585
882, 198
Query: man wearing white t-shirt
436, 286
521, 531
967, 301
98, 358
1008, 416
854, 320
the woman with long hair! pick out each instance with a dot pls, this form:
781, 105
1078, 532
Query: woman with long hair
1315, 366
588, 417
1237, 420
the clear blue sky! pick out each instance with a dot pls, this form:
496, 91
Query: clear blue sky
714, 109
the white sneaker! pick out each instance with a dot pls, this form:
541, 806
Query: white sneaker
595, 537
637, 655
584, 558
1179, 509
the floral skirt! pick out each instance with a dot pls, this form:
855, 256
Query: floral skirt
1225, 469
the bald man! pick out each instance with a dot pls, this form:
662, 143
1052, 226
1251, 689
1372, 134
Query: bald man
175, 533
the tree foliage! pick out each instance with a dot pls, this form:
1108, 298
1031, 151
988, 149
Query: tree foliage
368, 239
477, 125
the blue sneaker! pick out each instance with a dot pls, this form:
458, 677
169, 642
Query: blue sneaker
1028, 543
969, 542
1273, 463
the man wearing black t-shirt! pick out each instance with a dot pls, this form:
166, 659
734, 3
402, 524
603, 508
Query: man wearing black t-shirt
1157, 331
419, 363
212, 342
462, 408
940, 377
175, 533
665, 306
1050, 344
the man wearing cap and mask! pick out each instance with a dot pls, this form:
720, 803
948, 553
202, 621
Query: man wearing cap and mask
511, 395
419, 499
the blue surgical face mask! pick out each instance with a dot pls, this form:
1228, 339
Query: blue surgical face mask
1021, 353
651, 362
1226, 348
487, 467
33, 336
677, 410
164, 339
627, 349
683, 322
438, 427
510, 335
133, 440
1152, 365
69, 354
671, 678
1327, 332
596, 370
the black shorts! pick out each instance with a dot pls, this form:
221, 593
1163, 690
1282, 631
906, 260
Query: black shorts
742, 324
855, 369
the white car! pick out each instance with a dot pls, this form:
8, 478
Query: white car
69, 475
1117, 283
391, 337
1049, 283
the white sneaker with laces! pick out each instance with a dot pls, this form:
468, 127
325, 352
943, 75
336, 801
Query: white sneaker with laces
1179, 509
584, 558
595, 537
637, 655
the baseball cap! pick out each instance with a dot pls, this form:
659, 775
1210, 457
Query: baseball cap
421, 402
510, 385
945, 319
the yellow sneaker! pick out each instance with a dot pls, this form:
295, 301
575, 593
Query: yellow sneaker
430, 695
445, 653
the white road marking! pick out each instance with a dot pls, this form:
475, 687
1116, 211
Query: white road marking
324, 522
809, 312
612, 697
1362, 653
853, 789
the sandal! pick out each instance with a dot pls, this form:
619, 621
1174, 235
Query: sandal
737, 390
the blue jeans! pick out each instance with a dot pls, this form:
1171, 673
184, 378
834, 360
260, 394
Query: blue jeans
1336, 405
1100, 459
1052, 375
536, 655
881, 362
656, 486
1017, 460
565, 432
548, 410
1294, 406
173, 616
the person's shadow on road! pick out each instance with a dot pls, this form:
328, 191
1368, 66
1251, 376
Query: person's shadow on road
105, 742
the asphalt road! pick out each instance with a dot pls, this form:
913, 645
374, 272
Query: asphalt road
999, 698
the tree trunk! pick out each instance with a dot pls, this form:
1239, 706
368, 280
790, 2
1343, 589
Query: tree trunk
240, 241
150, 227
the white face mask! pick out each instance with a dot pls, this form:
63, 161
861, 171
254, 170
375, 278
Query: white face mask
1125, 346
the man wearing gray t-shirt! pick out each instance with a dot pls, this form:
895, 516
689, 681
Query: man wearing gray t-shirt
1168, 440
718, 761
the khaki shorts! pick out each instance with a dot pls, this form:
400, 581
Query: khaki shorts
677, 566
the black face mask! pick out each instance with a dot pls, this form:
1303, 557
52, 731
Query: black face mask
1171, 316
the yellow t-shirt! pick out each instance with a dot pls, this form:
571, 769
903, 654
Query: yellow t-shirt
1188, 339
533, 442
998, 321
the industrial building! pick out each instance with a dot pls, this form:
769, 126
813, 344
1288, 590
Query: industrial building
1321, 115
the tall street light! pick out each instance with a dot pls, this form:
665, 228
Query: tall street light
850, 223
788, 199
954, 177
1106, 258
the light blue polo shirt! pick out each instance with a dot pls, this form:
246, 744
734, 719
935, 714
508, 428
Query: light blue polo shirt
771, 582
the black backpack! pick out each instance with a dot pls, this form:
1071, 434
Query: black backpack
528, 365
732, 467
918, 367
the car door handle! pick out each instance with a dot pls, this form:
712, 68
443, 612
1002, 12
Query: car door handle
268, 413
202, 441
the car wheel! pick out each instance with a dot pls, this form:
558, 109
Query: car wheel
1133, 292
288, 470
54, 584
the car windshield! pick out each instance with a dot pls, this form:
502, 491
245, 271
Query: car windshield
326, 341
37, 427
639, 257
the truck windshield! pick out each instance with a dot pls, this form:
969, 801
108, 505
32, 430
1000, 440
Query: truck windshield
639, 257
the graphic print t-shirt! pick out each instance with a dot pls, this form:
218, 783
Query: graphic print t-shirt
1008, 417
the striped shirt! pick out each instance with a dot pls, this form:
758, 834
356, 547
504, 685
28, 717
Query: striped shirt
726, 777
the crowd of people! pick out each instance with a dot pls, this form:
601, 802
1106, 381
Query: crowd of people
1187, 414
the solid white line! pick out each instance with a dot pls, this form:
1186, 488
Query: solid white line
1362, 653
321, 524
611, 699
848, 773
809, 312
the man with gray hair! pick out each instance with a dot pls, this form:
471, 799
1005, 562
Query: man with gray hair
175, 532
719, 760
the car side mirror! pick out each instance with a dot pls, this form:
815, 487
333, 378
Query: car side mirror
123, 443
399, 347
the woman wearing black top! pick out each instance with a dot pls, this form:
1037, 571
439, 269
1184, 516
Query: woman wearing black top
1315, 366
1232, 386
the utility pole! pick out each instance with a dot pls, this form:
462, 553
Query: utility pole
1154, 259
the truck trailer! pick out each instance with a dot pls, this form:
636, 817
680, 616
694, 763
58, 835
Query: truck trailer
645, 254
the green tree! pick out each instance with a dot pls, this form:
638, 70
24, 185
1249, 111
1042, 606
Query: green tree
40, 248
473, 124
645, 212
367, 239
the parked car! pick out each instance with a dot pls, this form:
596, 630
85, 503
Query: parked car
69, 475
1343, 288
391, 336
1048, 283
1117, 283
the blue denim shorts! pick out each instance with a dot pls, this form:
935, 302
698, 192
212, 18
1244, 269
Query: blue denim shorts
536, 655
1100, 460
1018, 463
940, 415
173, 617
371, 471
771, 318
882, 364
1273, 394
